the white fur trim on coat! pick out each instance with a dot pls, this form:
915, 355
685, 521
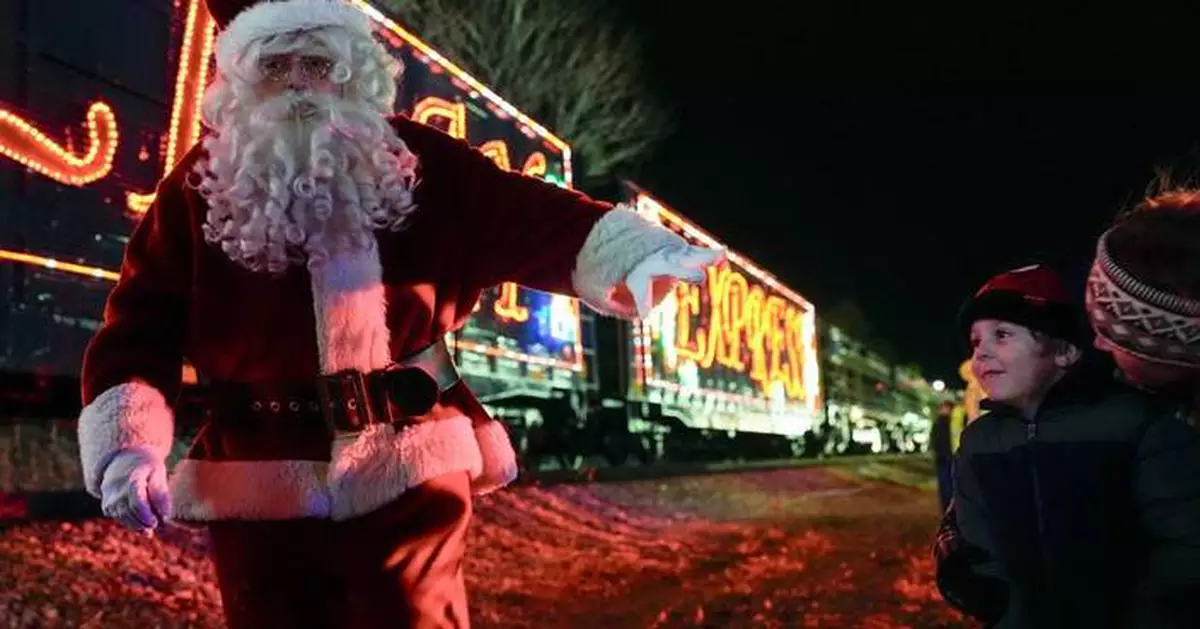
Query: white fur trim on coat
202, 491
499, 460
351, 312
370, 470
127, 416
617, 243
287, 16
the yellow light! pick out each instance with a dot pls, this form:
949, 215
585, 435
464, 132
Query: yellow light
535, 165
199, 33
432, 107
508, 304
58, 265
23, 143
497, 151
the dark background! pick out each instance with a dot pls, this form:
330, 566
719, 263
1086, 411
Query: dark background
898, 154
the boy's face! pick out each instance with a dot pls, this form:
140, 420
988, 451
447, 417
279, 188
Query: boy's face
1012, 366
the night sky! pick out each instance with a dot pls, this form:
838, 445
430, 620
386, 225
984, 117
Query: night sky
898, 154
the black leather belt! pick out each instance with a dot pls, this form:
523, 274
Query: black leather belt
347, 401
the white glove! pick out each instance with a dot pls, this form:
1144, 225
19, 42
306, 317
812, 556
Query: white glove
677, 262
134, 490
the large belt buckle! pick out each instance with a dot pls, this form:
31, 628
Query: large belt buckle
411, 390
345, 402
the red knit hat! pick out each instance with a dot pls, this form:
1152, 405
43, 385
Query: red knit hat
1034, 297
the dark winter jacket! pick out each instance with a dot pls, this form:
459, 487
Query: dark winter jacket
1090, 513
984, 598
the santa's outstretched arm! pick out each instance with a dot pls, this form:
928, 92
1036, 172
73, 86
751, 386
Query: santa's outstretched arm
132, 367
514, 228
523, 230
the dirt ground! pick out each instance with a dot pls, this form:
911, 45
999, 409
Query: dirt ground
809, 547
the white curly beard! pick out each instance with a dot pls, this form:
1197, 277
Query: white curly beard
297, 177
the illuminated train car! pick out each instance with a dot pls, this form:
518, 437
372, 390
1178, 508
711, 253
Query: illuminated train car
94, 109
727, 368
857, 394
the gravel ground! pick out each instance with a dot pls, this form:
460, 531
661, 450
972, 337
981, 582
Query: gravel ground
809, 547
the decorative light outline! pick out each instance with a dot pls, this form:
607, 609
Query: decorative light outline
497, 151
535, 165
474, 83
436, 106
190, 80
23, 143
58, 265
508, 304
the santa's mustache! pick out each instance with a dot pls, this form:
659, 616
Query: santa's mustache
304, 112
295, 106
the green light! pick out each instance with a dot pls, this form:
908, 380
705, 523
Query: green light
556, 180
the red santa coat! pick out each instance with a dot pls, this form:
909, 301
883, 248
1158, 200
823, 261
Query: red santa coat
178, 296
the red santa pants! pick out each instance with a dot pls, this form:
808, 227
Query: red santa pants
399, 567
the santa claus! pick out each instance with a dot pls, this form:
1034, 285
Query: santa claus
308, 257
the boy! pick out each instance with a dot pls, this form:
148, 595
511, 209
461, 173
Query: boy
1063, 484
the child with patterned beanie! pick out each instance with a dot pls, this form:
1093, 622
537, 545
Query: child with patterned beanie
1143, 299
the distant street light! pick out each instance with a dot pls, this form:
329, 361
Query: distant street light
939, 386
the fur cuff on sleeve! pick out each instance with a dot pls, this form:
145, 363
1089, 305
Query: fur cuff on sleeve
617, 243
130, 415
499, 458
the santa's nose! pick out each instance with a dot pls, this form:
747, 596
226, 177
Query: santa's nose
296, 78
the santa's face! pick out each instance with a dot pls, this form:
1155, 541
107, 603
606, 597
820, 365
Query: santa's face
302, 161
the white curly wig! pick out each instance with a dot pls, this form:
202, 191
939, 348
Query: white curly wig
294, 177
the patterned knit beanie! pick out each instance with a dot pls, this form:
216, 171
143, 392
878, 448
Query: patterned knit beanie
1146, 316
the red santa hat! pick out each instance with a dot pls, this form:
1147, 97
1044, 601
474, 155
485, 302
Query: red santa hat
245, 21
